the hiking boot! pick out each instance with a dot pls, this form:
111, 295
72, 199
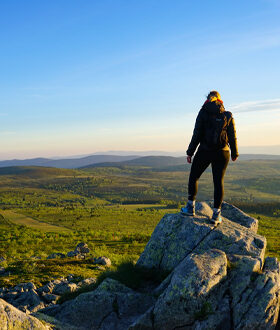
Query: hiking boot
188, 210
216, 217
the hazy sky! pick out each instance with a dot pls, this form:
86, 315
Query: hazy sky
85, 76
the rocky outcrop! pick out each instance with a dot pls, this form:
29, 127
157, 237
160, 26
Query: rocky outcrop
217, 279
23, 296
176, 236
13, 319
29, 299
111, 306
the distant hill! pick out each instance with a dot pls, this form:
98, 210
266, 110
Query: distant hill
36, 171
269, 150
168, 161
116, 160
66, 163
149, 161
24, 162
258, 156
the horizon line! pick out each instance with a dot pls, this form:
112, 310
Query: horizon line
134, 153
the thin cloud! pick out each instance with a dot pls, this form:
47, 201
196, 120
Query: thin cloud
264, 105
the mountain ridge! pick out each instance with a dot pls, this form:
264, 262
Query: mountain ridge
114, 160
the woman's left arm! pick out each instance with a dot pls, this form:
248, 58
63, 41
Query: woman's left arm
232, 138
196, 134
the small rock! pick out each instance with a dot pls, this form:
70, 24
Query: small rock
64, 287
80, 256
102, 261
22, 287
82, 248
99, 268
57, 280
28, 298
50, 298
47, 288
87, 281
72, 254
19, 289
56, 255
70, 277
31, 286
51, 309
37, 308
10, 296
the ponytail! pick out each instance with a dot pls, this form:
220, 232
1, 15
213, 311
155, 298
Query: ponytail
213, 96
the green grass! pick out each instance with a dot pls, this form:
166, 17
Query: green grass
111, 218
19, 219
114, 210
269, 226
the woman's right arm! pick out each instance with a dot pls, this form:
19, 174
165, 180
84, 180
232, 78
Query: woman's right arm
196, 134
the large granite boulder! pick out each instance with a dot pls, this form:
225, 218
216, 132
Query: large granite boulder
13, 319
191, 282
175, 237
215, 278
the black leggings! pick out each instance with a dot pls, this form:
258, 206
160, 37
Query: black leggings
219, 161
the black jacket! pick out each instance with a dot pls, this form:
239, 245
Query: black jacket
200, 136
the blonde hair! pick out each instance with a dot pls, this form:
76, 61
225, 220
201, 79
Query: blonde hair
213, 96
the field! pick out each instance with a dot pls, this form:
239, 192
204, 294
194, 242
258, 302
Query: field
114, 209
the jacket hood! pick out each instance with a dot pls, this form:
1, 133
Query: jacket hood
214, 107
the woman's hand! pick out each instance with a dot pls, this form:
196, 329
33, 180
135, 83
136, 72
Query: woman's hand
189, 159
234, 158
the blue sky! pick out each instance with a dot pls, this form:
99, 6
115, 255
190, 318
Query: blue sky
84, 76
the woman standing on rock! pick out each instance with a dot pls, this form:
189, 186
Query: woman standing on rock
214, 132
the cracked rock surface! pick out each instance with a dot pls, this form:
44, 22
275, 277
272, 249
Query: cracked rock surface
218, 276
111, 306
12, 318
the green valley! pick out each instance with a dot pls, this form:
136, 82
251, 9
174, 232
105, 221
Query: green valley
114, 208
